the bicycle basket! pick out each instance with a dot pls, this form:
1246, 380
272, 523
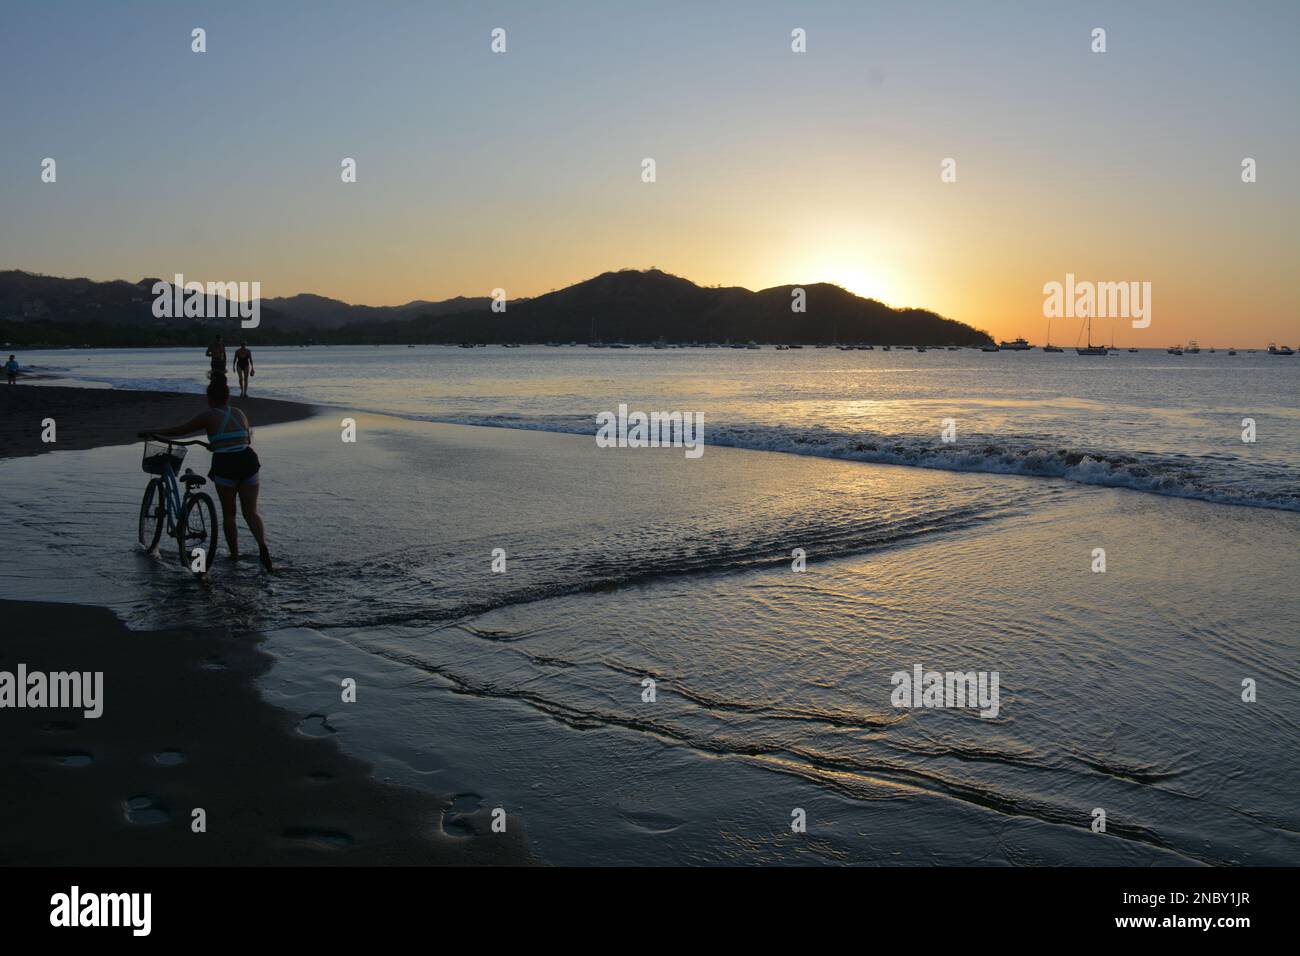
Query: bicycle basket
158, 455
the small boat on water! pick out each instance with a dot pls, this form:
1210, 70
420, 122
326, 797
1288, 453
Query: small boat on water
1132, 350
1049, 347
989, 348
885, 348
1232, 351
1091, 349
1193, 348
1275, 349
1175, 350
1019, 345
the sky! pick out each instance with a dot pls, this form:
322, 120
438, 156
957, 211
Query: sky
523, 170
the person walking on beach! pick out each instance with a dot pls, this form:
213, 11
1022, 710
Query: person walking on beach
243, 367
11, 369
217, 352
236, 470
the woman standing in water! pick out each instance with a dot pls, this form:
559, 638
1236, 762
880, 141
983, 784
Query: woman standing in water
243, 367
235, 469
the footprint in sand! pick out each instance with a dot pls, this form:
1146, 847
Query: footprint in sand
146, 810
69, 758
318, 837
455, 822
316, 725
169, 758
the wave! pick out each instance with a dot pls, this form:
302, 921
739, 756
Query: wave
1216, 478
1219, 479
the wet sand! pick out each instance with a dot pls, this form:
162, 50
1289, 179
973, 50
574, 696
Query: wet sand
184, 727
95, 417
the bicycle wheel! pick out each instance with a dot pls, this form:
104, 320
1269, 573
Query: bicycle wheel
153, 514
198, 529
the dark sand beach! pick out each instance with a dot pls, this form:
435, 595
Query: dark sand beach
94, 417
183, 725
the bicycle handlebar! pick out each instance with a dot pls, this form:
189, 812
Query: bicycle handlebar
176, 441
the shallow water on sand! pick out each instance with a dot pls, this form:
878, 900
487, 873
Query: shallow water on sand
1119, 691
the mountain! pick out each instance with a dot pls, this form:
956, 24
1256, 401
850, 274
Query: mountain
319, 312
628, 305
641, 306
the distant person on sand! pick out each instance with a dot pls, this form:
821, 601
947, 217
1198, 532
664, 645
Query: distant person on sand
217, 352
235, 469
244, 367
11, 369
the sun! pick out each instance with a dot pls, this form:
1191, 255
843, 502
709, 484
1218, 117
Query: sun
856, 279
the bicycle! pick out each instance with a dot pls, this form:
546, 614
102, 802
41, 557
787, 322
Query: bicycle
190, 518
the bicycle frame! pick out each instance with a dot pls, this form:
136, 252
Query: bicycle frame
172, 500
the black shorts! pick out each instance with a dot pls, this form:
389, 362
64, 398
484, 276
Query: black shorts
231, 469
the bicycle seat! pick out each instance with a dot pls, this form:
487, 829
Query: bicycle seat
192, 480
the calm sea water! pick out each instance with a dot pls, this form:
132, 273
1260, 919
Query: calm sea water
524, 689
1149, 420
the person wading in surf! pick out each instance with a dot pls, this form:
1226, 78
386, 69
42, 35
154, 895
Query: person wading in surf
243, 367
236, 470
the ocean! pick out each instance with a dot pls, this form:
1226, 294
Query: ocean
1148, 420
679, 657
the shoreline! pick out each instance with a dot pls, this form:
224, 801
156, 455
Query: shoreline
185, 726
98, 417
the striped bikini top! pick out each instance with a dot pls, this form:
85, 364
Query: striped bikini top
235, 433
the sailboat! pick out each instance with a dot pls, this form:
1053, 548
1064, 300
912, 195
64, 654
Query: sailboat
1049, 347
1091, 349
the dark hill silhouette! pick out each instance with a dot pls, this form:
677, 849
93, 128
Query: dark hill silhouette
629, 305
641, 306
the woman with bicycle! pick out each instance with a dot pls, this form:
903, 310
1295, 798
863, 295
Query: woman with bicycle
235, 468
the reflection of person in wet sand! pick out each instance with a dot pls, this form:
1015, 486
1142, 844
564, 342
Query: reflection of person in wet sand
244, 367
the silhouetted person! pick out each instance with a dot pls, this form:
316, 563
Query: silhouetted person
217, 352
244, 367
